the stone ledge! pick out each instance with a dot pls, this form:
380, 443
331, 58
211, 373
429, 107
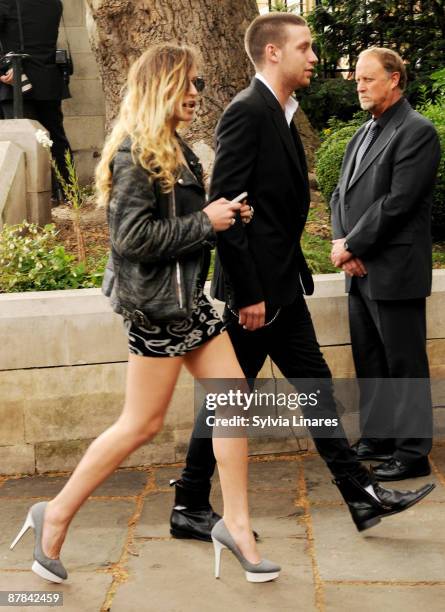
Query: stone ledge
12, 184
62, 379
73, 327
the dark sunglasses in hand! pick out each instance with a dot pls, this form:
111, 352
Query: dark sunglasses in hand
199, 83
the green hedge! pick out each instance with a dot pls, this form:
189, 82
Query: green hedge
330, 155
438, 212
325, 98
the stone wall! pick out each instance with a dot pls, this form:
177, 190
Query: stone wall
25, 178
12, 184
63, 366
85, 111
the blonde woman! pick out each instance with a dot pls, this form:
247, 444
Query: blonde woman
161, 230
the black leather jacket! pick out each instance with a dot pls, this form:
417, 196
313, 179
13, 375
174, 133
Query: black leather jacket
160, 243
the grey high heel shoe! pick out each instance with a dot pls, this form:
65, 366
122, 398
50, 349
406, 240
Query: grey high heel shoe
43, 566
255, 572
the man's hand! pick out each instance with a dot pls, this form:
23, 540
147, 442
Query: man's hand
8, 77
339, 255
253, 317
354, 267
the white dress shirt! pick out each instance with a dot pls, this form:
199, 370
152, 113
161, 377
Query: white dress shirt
291, 106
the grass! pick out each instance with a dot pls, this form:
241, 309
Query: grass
439, 255
317, 251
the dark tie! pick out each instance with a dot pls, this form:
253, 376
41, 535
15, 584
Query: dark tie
367, 143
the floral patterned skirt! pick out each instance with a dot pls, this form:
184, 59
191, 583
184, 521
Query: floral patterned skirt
175, 338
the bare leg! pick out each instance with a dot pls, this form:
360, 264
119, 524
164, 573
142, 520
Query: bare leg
150, 384
216, 359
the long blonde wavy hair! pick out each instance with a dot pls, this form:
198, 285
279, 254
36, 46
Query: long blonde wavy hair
157, 82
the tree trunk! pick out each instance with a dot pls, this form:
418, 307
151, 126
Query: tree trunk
120, 30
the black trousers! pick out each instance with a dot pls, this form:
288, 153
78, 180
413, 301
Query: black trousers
49, 114
389, 342
291, 343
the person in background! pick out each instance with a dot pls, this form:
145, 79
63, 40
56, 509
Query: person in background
381, 220
43, 102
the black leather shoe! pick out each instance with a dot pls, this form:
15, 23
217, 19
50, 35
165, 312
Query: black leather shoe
192, 516
394, 469
366, 450
366, 510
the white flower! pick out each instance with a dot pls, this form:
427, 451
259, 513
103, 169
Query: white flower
43, 139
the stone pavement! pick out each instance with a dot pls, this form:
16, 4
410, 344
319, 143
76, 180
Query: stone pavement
121, 557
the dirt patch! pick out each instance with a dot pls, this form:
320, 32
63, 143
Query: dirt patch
94, 228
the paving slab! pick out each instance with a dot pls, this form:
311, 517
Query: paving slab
318, 481
438, 456
405, 547
83, 592
275, 515
154, 521
177, 576
33, 486
369, 598
122, 484
278, 506
95, 540
270, 475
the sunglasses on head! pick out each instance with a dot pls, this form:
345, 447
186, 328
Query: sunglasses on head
199, 83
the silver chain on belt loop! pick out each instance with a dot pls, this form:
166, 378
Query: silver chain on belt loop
235, 314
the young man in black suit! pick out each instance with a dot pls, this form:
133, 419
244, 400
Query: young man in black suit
381, 219
40, 26
265, 275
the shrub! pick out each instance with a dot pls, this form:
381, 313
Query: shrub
329, 158
435, 113
329, 97
31, 259
438, 212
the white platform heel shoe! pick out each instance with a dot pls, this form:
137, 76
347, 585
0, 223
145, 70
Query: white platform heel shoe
43, 566
263, 571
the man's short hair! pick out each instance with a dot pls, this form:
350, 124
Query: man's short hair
391, 62
268, 29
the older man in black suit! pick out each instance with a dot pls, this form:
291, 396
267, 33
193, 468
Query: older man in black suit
39, 21
381, 217
265, 274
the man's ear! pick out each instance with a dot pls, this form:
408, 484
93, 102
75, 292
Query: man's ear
271, 53
395, 78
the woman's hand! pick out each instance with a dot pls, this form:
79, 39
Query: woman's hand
246, 212
222, 213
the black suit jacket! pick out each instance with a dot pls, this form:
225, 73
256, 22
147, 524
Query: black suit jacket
41, 20
257, 152
385, 211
